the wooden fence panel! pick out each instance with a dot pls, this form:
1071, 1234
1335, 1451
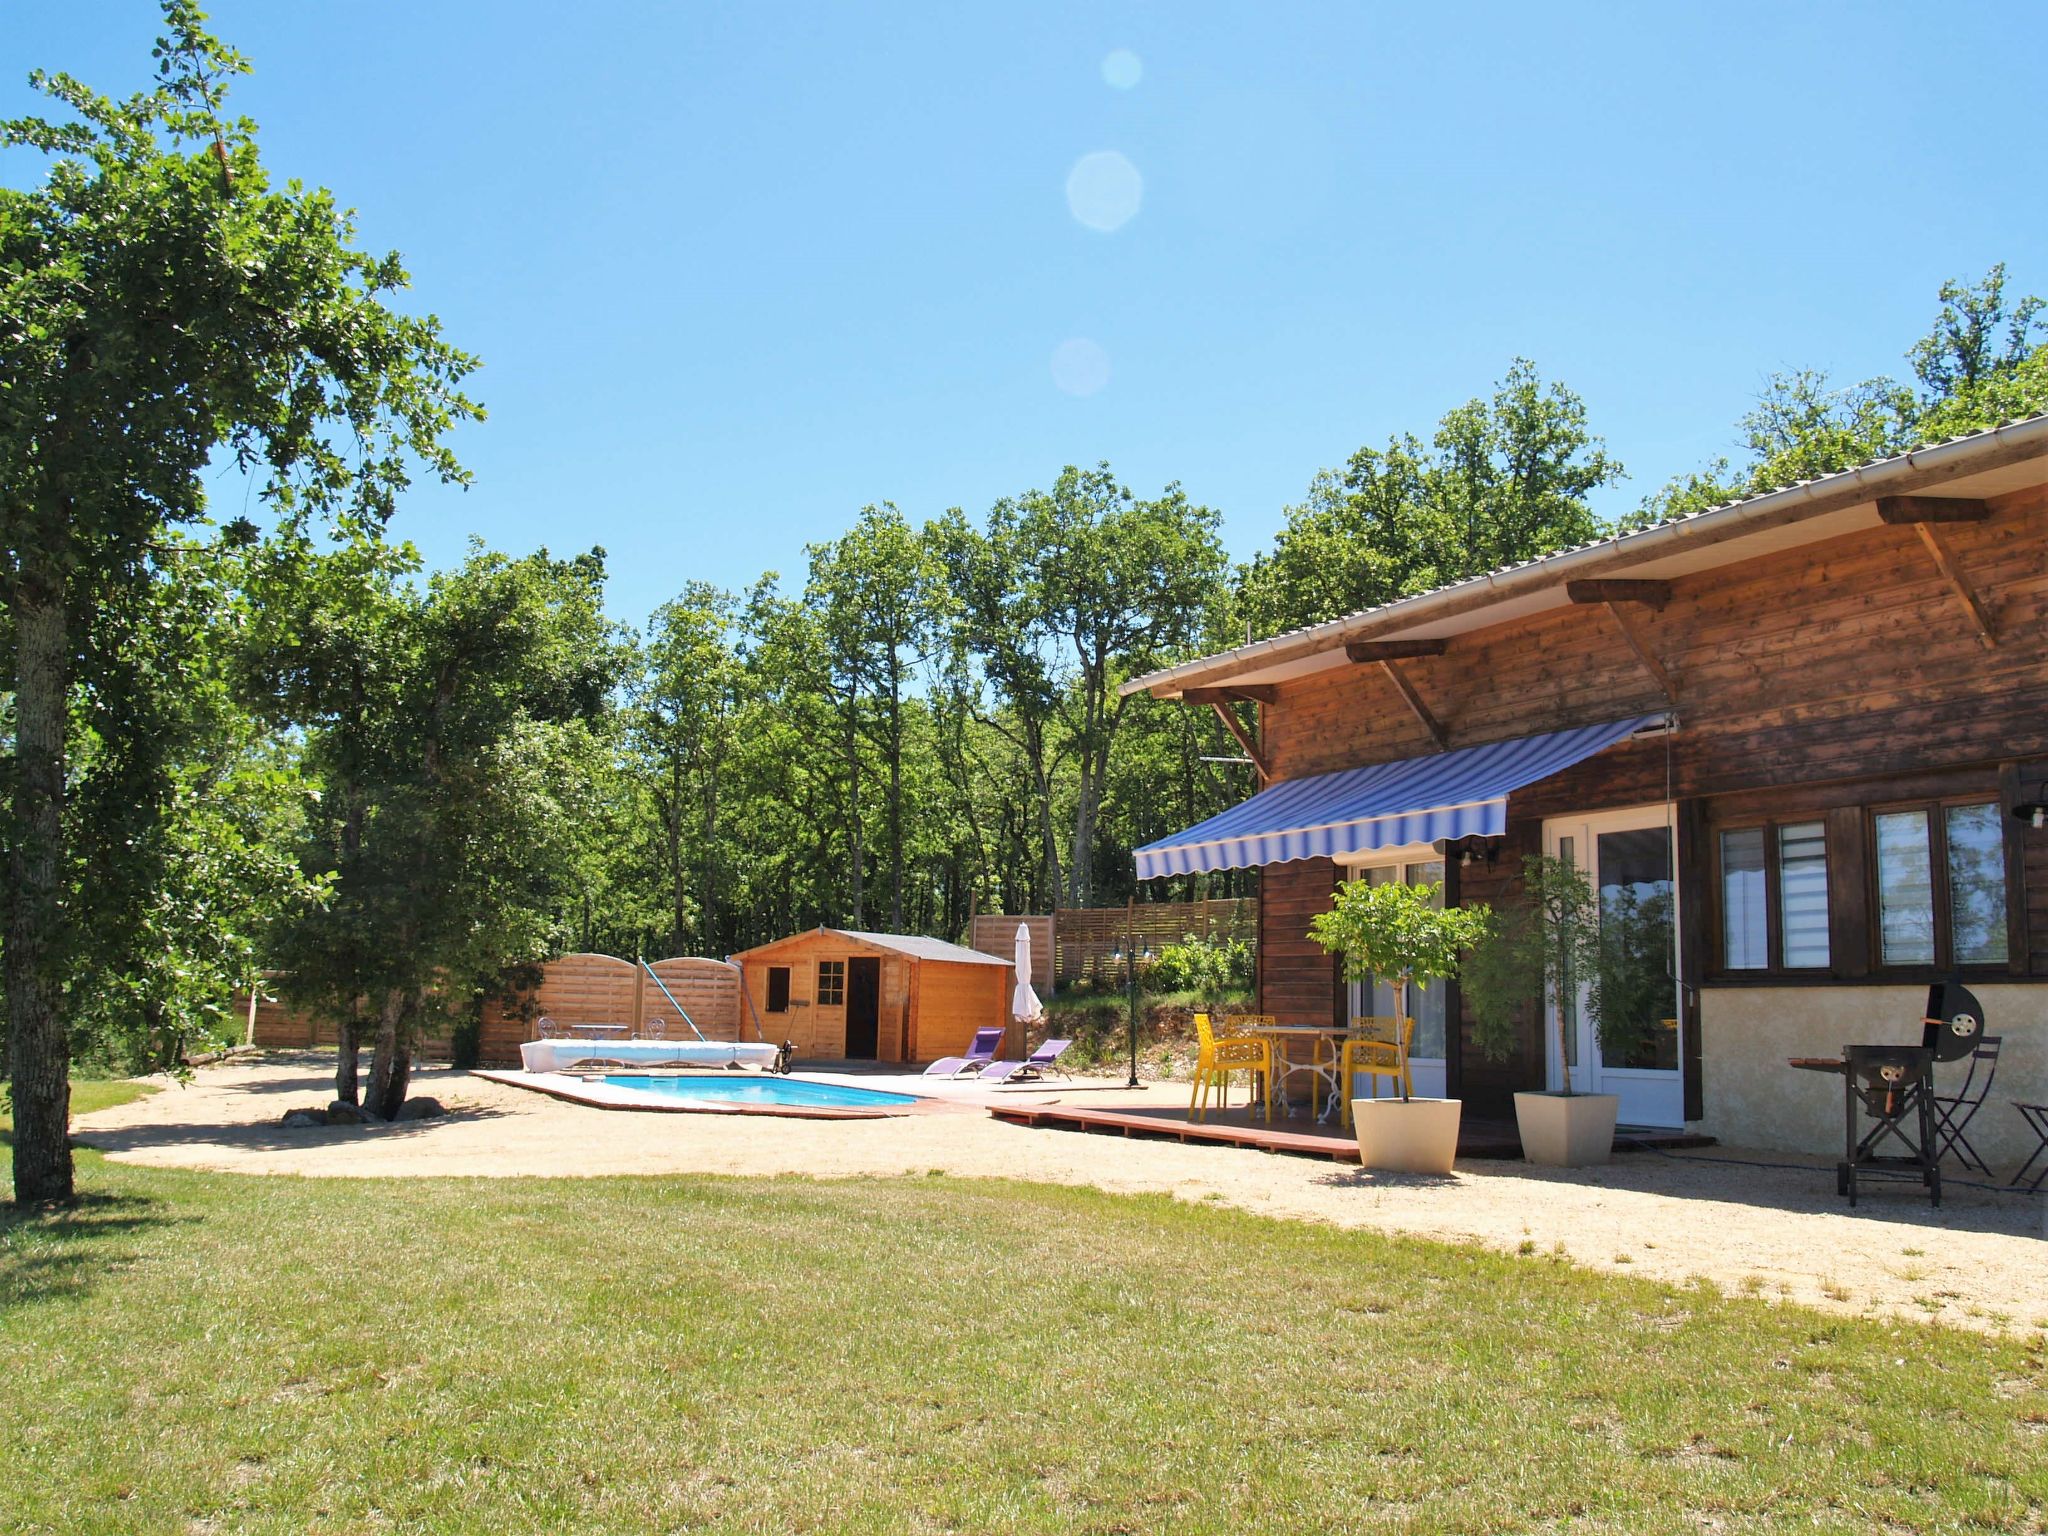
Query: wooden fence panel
995, 934
1088, 938
708, 989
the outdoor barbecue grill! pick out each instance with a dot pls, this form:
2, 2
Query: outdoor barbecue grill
1888, 1111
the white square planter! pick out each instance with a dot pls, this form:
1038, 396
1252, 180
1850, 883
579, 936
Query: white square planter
1407, 1135
1567, 1132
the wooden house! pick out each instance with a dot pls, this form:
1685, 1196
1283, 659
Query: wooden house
1797, 728
841, 995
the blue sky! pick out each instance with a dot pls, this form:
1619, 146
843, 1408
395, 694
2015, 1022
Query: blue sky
736, 270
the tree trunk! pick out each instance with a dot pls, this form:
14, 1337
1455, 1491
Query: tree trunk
347, 1087
39, 1048
853, 827
391, 1061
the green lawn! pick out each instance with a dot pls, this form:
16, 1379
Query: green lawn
192, 1352
87, 1095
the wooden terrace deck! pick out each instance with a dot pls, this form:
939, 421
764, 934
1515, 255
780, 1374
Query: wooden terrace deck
1299, 1135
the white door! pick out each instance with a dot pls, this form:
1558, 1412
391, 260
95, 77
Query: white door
1631, 858
1423, 1004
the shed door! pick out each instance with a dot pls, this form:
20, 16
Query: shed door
863, 1008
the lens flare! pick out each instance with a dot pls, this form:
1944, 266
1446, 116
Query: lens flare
1122, 68
1079, 366
1104, 190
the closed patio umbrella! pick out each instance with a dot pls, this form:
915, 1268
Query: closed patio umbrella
1025, 1007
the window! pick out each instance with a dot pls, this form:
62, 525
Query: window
831, 983
1940, 876
1424, 1004
1774, 897
778, 989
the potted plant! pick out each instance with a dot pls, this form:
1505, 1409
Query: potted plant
1544, 945
1401, 932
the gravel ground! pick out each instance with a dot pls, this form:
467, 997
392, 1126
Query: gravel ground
1979, 1261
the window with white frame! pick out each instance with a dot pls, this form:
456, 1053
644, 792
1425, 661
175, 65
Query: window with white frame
1424, 1004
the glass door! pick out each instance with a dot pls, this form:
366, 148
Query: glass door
1424, 1004
1630, 858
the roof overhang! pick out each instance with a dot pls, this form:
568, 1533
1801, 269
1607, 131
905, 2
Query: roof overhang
1982, 466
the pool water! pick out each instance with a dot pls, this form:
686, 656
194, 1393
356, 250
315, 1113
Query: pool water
765, 1091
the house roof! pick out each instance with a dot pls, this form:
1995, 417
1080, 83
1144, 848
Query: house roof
911, 944
2008, 457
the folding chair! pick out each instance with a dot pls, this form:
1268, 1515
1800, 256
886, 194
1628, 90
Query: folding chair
2036, 1116
1953, 1112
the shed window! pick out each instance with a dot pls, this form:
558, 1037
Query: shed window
778, 989
831, 983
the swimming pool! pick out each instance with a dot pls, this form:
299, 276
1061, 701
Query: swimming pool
766, 1092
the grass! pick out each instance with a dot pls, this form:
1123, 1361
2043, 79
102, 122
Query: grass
87, 1095
200, 1352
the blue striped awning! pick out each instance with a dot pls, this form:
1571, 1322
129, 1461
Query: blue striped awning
1389, 805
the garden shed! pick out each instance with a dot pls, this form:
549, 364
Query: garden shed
843, 995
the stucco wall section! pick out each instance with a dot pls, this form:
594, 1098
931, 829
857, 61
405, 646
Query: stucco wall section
1753, 1099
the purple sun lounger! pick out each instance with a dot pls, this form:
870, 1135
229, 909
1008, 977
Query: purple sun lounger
1041, 1061
986, 1043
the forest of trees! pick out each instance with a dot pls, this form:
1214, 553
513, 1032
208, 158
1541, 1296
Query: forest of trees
231, 747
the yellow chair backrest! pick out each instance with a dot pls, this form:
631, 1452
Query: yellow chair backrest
1203, 1033
1382, 1027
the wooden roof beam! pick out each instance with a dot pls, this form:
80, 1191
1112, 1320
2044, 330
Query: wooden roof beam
1951, 568
1363, 651
1639, 643
1651, 594
1931, 509
1238, 693
1406, 689
1244, 737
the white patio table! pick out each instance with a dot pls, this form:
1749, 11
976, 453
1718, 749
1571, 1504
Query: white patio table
1329, 1072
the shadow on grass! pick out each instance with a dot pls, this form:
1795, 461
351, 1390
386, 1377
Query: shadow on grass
270, 1135
47, 1252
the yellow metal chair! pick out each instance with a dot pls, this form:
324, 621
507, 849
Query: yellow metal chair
1373, 1053
1219, 1056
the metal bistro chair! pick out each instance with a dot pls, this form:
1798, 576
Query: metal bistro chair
1380, 1051
2036, 1116
546, 1028
1953, 1112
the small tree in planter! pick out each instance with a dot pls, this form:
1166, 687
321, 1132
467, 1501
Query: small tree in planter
1545, 944
1400, 932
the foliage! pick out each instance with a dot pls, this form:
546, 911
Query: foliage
164, 307
451, 735
1984, 361
1202, 966
1545, 941
1398, 930
1503, 480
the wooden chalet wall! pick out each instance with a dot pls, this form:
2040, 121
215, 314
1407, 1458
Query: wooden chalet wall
1852, 658
1812, 679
